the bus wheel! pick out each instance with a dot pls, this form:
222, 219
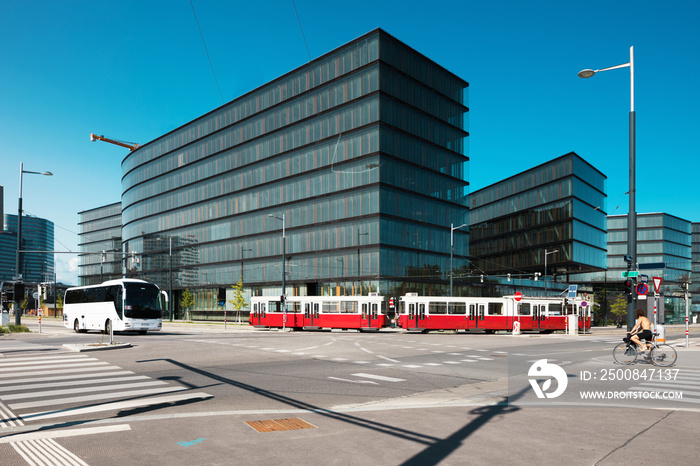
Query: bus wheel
76, 326
108, 327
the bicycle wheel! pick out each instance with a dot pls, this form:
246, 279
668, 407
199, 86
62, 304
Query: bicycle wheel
663, 355
624, 353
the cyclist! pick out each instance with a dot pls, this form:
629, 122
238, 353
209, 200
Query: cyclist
641, 330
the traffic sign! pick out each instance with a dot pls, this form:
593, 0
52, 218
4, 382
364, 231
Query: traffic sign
518, 296
584, 304
642, 289
572, 291
657, 283
630, 274
643, 278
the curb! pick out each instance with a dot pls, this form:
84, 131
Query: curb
96, 347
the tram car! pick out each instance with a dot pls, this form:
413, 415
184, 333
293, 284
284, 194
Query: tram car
364, 313
537, 314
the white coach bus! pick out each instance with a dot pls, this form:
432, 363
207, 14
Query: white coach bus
115, 305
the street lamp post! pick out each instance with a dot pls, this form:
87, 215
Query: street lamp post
284, 252
359, 262
19, 286
546, 253
452, 248
632, 214
170, 278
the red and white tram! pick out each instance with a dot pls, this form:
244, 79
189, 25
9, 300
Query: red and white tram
543, 314
318, 312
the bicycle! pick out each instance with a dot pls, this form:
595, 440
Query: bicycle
659, 354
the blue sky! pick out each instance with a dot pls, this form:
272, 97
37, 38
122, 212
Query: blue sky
134, 70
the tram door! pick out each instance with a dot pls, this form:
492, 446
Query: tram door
416, 315
258, 313
476, 315
370, 315
366, 315
311, 315
539, 317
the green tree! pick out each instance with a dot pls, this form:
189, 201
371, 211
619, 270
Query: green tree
187, 302
618, 308
238, 302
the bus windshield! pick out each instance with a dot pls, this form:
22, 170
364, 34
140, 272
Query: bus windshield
142, 301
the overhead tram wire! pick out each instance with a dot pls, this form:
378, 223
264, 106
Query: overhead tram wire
302, 30
207, 51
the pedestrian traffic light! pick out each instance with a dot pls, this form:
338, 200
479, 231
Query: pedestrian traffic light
628, 287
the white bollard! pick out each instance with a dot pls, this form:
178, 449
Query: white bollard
662, 334
516, 328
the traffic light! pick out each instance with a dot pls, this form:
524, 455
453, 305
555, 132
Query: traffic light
628, 287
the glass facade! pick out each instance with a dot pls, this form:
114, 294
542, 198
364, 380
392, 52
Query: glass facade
100, 244
557, 206
694, 287
363, 151
37, 235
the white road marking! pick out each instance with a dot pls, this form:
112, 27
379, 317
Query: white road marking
62, 433
69, 376
104, 396
378, 377
37, 370
118, 405
73, 383
353, 381
387, 359
27, 361
366, 350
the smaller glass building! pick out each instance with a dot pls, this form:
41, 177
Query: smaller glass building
549, 220
38, 237
100, 244
695, 265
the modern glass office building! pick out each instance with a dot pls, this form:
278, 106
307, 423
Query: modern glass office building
38, 239
695, 265
352, 167
100, 244
661, 238
545, 223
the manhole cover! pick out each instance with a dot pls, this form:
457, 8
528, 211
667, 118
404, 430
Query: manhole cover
278, 425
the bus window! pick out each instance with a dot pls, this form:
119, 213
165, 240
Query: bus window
142, 301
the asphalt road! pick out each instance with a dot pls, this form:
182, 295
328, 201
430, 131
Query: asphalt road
188, 393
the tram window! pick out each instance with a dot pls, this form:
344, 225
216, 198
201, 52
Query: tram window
274, 306
348, 307
525, 309
457, 308
495, 309
555, 309
296, 307
331, 307
438, 308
